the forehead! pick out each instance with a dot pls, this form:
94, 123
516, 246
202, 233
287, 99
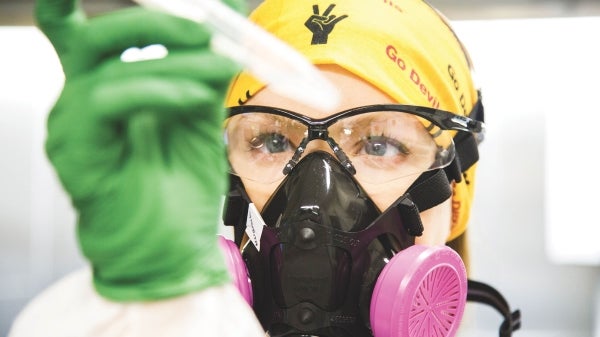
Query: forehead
354, 92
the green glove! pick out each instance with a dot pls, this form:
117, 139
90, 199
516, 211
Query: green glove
139, 148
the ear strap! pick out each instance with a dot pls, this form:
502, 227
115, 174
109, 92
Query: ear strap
486, 294
466, 144
235, 210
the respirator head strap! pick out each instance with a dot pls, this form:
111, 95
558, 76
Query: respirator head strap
430, 189
466, 144
409, 214
235, 210
467, 154
486, 294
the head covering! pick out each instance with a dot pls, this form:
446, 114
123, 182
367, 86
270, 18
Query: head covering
404, 48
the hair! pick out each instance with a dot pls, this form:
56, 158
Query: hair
461, 245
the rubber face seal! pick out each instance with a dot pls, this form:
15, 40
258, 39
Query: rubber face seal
237, 268
422, 291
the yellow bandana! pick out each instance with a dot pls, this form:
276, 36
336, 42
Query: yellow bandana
404, 48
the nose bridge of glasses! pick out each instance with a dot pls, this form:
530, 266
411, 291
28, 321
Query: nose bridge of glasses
329, 145
316, 138
318, 145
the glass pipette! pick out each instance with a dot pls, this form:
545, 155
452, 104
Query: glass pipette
269, 59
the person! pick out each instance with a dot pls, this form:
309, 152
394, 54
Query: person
326, 207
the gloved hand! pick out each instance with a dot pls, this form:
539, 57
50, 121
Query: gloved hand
139, 148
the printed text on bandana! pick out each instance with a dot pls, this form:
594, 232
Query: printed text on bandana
414, 76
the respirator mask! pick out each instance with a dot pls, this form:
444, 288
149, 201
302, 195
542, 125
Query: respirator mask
321, 259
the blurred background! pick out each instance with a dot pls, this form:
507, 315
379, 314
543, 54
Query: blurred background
18, 12
534, 232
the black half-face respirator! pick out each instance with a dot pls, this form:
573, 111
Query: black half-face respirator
322, 260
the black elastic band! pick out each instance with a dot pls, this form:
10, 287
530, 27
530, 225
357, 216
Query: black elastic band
486, 294
477, 113
467, 154
466, 144
235, 210
430, 189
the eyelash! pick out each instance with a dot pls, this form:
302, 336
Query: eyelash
362, 143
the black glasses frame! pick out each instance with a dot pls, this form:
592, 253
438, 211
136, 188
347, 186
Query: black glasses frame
318, 127
445, 120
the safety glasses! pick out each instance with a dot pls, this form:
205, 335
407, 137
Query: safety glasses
377, 143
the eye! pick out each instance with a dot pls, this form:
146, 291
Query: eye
271, 143
384, 147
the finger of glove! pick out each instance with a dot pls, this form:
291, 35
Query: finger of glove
55, 17
82, 45
111, 34
51, 12
241, 6
154, 85
114, 103
159, 95
85, 150
197, 64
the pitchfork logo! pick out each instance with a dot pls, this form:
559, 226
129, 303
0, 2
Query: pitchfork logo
321, 25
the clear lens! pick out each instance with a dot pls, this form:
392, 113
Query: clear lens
381, 145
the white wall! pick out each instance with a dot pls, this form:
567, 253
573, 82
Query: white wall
533, 73
37, 242
530, 71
